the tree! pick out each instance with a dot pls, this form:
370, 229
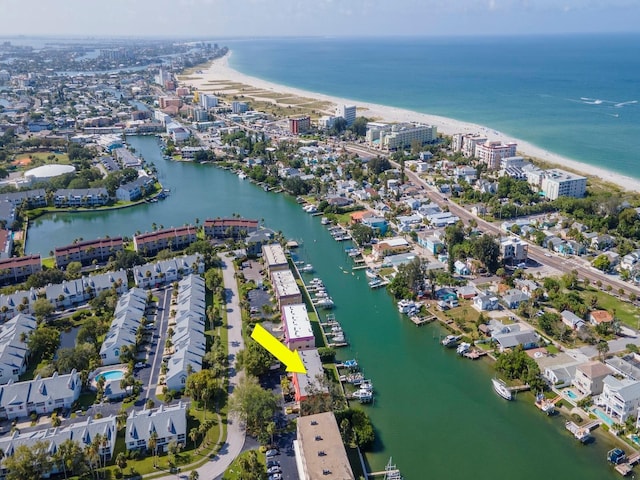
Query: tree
28, 462
603, 348
250, 467
43, 342
152, 443
73, 270
194, 475
255, 359
121, 461
254, 406
42, 309
602, 263
358, 427
486, 250
362, 234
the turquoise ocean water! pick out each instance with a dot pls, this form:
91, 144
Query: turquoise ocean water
572, 95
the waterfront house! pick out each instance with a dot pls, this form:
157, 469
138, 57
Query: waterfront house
18, 269
306, 384
40, 395
528, 339
390, 247
127, 319
378, 224
560, 375
155, 274
590, 376
13, 349
571, 320
85, 252
169, 238
81, 197
619, 399
135, 189
230, 227
169, 423
599, 317
625, 366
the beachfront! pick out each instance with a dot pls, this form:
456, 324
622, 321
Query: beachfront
219, 71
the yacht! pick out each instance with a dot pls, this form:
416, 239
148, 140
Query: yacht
310, 209
451, 341
375, 283
363, 395
324, 303
366, 385
325, 221
463, 348
407, 306
308, 268
501, 389
371, 274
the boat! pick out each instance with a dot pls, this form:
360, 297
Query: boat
325, 221
463, 348
407, 306
350, 363
501, 389
352, 378
366, 385
370, 273
242, 175
363, 396
545, 405
308, 268
310, 208
375, 283
324, 303
616, 456
451, 341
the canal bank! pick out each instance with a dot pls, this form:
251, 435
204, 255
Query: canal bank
435, 412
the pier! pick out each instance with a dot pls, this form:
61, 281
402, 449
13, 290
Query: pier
419, 321
475, 354
626, 467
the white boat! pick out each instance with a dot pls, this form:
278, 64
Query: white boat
407, 306
501, 389
363, 395
308, 268
463, 348
375, 283
370, 273
324, 302
242, 175
310, 209
451, 341
325, 221
366, 385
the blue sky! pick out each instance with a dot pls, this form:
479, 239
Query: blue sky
251, 18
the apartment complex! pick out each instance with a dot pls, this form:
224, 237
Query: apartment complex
348, 112
127, 318
167, 271
285, 288
560, 183
169, 238
73, 292
18, 269
81, 197
466, 143
14, 352
299, 125
274, 258
298, 334
491, 153
87, 251
229, 227
168, 423
394, 137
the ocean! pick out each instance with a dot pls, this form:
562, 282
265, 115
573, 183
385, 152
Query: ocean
574, 95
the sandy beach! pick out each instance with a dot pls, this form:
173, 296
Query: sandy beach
220, 70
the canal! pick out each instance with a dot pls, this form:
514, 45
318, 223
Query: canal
434, 412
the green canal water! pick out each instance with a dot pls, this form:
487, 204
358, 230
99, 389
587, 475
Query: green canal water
434, 412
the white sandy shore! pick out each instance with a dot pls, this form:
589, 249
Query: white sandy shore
220, 70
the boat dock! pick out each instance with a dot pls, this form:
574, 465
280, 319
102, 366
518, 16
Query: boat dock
335, 335
419, 321
390, 472
626, 467
582, 433
475, 353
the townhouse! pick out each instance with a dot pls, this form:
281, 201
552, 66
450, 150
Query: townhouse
80, 197
13, 350
87, 251
73, 292
122, 333
18, 269
168, 423
229, 227
135, 189
167, 271
169, 238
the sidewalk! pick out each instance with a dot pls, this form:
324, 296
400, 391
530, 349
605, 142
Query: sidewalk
234, 443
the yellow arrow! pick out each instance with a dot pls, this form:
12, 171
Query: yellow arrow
291, 359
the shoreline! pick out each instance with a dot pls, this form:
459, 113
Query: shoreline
220, 70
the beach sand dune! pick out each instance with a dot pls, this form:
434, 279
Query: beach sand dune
221, 74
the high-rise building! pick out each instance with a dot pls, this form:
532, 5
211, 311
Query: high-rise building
299, 125
348, 112
239, 107
208, 101
492, 152
560, 183
162, 77
405, 135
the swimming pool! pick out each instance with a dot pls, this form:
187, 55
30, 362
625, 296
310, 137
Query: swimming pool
111, 375
602, 416
571, 395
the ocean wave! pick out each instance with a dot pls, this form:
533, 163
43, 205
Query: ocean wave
622, 104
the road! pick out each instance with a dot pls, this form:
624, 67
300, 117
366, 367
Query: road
232, 447
536, 253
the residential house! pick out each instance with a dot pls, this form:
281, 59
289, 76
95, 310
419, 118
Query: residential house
619, 399
14, 352
81, 197
484, 303
430, 242
513, 298
461, 268
630, 261
571, 320
20, 301
389, 247
169, 238
467, 292
18, 269
589, 378
40, 395
255, 241
378, 224
526, 286
599, 317
230, 227
135, 189
83, 433
168, 423
514, 336
85, 252
602, 242
122, 333
159, 273
560, 375
74, 292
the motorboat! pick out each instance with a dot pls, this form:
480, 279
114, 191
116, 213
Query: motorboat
371, 273
366, 385
501, 389
451, 341
407, 306
308, 268
463, 348
375, 283
324, 303
325, 221
545, 405
363, 396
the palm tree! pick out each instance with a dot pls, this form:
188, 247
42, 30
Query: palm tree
152, 443
194, 475
193, 435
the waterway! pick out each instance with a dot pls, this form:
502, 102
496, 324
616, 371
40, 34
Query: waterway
434, 412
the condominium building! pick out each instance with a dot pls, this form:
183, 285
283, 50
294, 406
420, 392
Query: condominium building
81, 197
559, 183
466, 143
169, 102
230, 227
168, 423
285, 287
405, 135
80, 290
239, 107
88, 251
169, 238
274, 258
208, 101
307, 384
299, 125
298, 333
167, 271
348, 112
491, 153
17, 269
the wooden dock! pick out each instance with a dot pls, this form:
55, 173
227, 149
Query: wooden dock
626, 467
337, 345
381, 473
475, 354
419, 321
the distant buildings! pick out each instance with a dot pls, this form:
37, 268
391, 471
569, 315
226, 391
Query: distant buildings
208, 101
466, 143
239, 107
348, 112
396, 136
491, 153
299, 125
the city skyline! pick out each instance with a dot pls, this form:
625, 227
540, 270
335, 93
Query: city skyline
257, 18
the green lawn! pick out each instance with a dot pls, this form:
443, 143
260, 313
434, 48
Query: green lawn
627, 313
233, 472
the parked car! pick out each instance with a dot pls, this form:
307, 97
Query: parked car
272, 453
273, 463
275, 469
